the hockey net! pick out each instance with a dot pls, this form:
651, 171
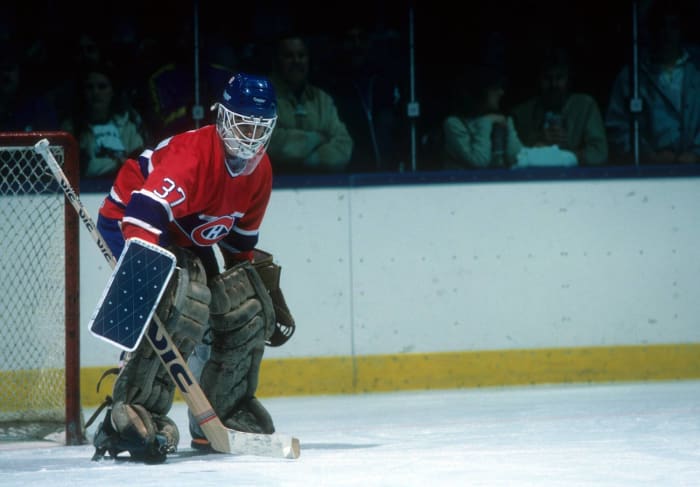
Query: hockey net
39, 286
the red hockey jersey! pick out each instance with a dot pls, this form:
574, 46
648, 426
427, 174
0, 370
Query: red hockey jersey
182, 193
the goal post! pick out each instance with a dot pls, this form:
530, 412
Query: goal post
39, 292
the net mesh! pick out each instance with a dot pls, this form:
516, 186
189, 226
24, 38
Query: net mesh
32, 296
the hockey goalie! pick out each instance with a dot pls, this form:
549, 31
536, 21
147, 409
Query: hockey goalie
198, 191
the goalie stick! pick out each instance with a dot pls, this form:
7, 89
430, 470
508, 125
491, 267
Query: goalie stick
221, 438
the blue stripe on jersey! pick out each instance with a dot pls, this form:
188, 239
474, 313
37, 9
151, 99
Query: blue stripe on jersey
146, 209
112, 234
145, 161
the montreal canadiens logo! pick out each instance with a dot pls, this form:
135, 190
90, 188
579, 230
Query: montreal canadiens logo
212, 231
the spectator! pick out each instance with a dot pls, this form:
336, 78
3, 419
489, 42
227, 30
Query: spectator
171, 92
21, 108
557, 116
478, 134
85, 49
107, 128
669, 88
166, 97
369, 100
309, 136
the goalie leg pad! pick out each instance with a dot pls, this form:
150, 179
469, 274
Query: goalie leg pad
144, 387
231, 290
184, 310
242, 315
251, 416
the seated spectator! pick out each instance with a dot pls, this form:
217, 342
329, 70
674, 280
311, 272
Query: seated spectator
669, 88
85, 48
169, 95
556, 116
21, 108
369, 101
478, 134
309, 136
107, 128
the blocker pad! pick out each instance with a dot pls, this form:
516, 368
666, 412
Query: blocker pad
133, 292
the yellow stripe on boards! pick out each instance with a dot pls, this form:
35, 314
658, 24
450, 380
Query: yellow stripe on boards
31, 390
450, 370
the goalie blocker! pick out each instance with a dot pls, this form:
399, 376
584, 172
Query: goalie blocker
132, 294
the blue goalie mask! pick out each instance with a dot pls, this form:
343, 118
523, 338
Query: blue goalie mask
245, 119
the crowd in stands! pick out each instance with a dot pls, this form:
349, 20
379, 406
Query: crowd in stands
343, 91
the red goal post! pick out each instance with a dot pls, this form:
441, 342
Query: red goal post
39, 293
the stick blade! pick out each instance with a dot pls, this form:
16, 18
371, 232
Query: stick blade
272, 445
227, 440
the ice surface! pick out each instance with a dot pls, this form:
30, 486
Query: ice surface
634, 434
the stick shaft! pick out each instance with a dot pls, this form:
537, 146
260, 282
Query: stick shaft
42, 147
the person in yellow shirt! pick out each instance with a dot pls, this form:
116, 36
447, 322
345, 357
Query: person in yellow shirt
309, 137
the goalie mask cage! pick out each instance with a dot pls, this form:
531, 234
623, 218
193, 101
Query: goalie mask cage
39, 300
